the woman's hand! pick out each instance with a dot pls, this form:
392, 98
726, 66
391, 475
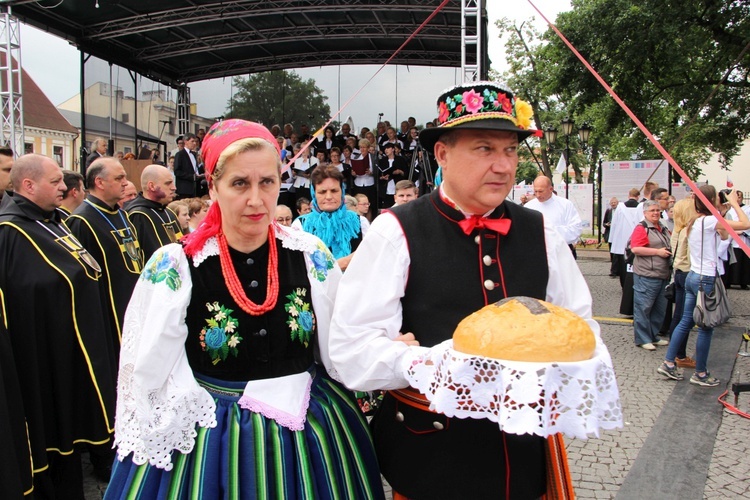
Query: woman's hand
732, 199
664, 252
407, 338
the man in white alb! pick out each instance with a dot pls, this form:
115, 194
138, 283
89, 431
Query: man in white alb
558, 212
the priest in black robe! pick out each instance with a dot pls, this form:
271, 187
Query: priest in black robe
107, 233
154, 223
60, 338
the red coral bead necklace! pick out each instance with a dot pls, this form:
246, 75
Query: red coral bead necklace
233, 282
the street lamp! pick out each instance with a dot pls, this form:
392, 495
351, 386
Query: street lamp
567, 128
550, 135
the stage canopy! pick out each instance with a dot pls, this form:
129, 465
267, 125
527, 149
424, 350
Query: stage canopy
175, 42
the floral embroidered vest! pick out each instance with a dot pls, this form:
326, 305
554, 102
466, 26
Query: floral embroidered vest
226, 343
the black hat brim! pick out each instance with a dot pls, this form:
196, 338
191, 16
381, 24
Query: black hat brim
429, 136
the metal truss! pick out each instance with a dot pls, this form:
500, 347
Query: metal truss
183, 109
238, 67
291, 34
471, 40
233, 10
11, 90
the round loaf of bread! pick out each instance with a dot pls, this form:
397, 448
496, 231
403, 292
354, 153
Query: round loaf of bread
525, 329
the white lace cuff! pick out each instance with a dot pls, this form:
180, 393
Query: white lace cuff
574, 398
168, 423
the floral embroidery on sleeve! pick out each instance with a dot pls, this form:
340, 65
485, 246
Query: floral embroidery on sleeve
163, 267
322, 263
301, 319
217, 338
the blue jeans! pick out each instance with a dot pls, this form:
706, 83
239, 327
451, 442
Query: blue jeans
679, 303
649, 307
703, 343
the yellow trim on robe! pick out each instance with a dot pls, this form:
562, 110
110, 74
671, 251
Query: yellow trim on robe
110, 429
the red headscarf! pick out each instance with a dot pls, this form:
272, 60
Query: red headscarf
217, 139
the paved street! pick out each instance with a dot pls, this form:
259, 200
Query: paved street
678, 441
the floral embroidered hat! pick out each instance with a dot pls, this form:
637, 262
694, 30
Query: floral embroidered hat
480, 106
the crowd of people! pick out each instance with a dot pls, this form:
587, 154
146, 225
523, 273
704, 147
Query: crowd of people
224, 329
655, 241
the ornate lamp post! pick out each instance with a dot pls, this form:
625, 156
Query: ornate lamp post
550, 135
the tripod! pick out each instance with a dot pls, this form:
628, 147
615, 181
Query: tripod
420, 163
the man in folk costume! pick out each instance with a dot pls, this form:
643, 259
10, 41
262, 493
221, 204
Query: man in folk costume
59, 335
154, 223
106, 231
481, 249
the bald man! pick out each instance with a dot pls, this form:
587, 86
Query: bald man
559, 213
60, 338
155, 224
130, 194
106, 231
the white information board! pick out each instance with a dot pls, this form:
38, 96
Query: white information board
619, 177
681, 190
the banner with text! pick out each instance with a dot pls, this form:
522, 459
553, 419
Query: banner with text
618, 177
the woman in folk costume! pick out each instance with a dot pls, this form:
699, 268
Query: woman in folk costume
224, 386
339, 228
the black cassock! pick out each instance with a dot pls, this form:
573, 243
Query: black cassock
58, 333
155, 224
110, 237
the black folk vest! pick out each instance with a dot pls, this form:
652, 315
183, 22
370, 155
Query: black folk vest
452, 275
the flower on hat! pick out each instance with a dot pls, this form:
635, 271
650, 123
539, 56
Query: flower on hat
443, 112
524, 112
504, 103
472, 101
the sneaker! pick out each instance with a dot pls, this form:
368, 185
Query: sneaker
661, 342
706, 380
648, 347
686, 362
670, 371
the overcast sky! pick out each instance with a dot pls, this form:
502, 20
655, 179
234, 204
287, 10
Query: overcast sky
397, 91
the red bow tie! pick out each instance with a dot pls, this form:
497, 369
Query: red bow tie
501, 226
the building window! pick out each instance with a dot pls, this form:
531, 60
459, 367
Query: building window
28, 148
125, 117
57, 152
127, 149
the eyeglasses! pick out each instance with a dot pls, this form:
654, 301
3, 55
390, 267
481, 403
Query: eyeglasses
366, 203
283, 219
653, 211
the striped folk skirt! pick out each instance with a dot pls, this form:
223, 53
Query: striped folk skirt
248, 456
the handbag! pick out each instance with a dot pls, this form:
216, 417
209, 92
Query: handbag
669, 291
711, 309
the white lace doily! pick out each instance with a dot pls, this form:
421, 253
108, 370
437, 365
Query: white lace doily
574, 398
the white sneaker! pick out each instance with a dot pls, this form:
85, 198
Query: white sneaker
661, 342
648, 347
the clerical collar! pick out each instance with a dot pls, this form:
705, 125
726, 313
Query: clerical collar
448, 201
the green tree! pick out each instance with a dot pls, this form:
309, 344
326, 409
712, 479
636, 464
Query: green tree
530, 75
665, 59
279, 97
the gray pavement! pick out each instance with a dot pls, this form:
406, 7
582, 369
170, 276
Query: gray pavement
677, 442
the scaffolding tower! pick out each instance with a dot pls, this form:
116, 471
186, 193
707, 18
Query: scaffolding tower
473, 38
11, 92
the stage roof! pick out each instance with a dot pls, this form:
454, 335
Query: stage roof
176, 42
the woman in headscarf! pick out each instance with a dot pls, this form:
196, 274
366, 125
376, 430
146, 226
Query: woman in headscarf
224, 390
340, 229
